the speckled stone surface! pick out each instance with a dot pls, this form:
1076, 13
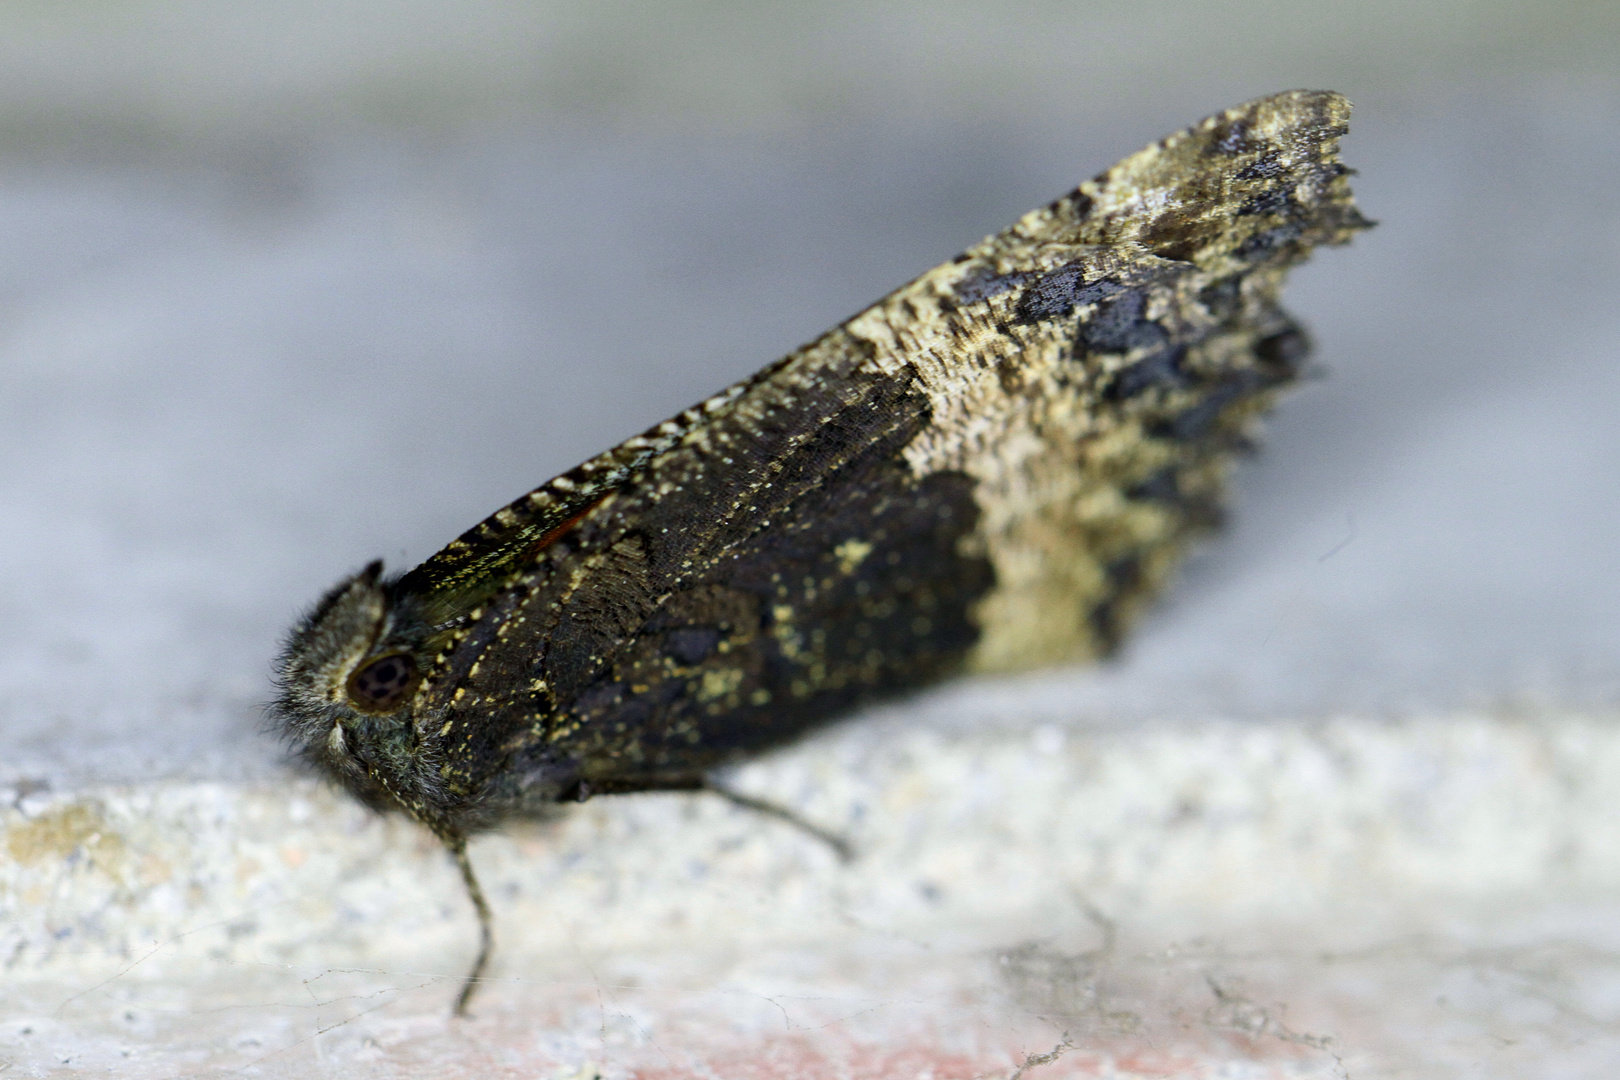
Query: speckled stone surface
1179, 899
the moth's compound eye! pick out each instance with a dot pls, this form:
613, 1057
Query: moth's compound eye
382, 684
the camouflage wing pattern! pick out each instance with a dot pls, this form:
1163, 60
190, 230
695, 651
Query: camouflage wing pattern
995, 466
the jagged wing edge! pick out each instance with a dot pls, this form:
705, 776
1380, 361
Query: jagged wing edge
1157, 192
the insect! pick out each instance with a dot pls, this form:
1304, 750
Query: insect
993, 467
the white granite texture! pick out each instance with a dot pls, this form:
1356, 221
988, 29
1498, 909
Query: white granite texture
1429, 898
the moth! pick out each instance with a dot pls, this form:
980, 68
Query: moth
993, 467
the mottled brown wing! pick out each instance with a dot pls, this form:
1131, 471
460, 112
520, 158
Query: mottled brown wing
993, 467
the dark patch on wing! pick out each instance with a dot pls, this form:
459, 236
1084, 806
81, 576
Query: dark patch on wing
1277, 200
808, 573
822, 639
1056, 294
982, 283
1119, 325
1159, 369
1197, 421
1076, 203
1268, 166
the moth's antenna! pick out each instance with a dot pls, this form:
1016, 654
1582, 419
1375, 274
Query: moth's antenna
486, 925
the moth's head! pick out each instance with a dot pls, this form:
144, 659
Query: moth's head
346, 663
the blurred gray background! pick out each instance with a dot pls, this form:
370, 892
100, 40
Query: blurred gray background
287, 287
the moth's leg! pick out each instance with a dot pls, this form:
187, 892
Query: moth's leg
486, 924
840, 845
587, 789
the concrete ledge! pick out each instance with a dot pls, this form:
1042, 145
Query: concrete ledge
1166, 900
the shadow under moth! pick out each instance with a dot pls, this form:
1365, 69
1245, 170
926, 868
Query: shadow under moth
993, 467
